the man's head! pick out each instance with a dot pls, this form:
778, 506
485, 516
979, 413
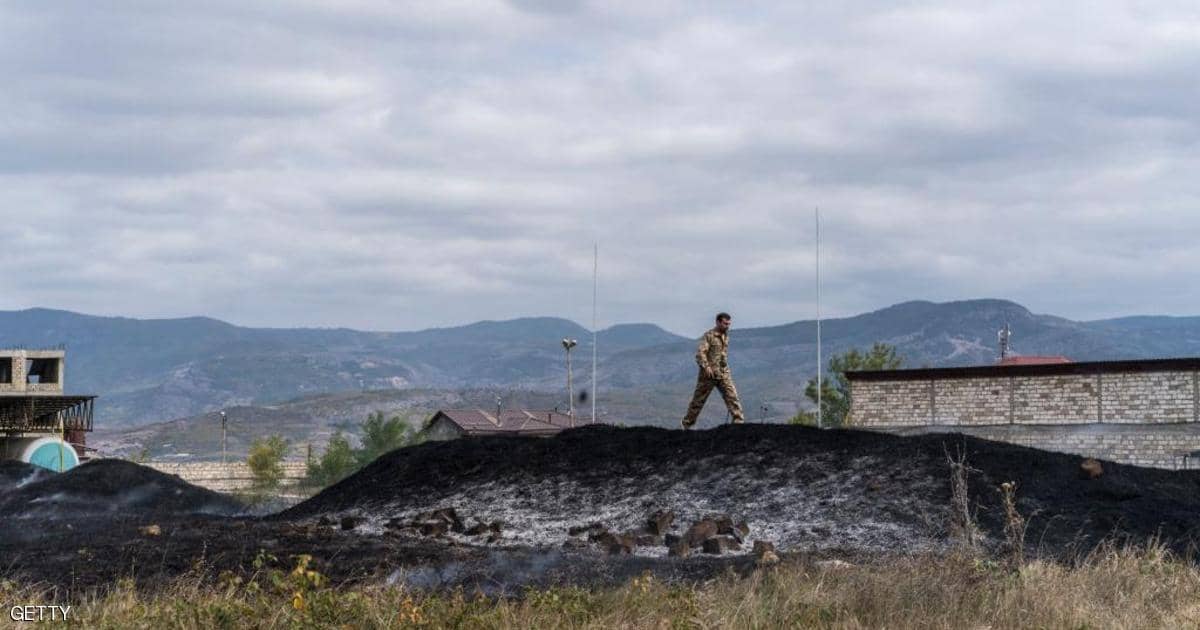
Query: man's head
723, 321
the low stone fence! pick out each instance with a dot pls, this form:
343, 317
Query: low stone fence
227, 477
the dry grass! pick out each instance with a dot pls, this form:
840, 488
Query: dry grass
1112, 588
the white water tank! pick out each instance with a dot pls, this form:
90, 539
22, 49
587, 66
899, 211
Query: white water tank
47, 451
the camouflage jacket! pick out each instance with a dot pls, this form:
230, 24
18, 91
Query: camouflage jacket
713, 351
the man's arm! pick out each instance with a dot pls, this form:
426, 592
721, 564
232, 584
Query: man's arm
702, 355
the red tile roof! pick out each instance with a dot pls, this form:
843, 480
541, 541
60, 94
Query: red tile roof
511, 421
1034, 360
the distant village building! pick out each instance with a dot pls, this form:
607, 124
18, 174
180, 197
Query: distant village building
449, 424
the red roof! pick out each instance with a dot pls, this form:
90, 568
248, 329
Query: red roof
511, 421
1034, 360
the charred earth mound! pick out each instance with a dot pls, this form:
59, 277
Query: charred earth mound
799, 488
596, 505
106, 486
14, 474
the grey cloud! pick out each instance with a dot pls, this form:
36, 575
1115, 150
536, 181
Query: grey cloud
394, 166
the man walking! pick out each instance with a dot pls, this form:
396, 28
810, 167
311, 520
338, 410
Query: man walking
712, 355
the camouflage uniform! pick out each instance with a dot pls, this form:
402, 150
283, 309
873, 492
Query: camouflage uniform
713, 353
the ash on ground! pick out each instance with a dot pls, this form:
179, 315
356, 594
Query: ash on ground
594, 505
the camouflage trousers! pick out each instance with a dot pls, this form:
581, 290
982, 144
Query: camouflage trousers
723, 382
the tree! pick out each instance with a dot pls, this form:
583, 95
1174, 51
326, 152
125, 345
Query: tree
835, 387
266, 455
336, 463
380, 435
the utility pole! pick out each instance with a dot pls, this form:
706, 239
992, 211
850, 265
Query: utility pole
817, 214
224, 422
595, 268
567, 344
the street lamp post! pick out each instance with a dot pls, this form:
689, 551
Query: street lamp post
224, 422
567, 345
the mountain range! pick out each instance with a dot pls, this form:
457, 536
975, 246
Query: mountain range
148, 371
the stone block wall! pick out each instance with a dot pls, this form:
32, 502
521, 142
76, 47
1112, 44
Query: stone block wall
1070, 399
970, 401
892, 403
1075, 408
1149, 398
227, 477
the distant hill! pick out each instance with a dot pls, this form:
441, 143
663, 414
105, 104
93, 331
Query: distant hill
157, 370
154, 370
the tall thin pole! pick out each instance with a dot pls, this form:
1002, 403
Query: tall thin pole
817, 215
570, 389
567, 344
595, 267
62, 430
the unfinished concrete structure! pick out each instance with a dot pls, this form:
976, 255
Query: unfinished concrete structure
39, 423
1144, 412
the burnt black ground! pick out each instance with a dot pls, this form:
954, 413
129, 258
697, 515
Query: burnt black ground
829, 493
892, 490
112, 485
14, 474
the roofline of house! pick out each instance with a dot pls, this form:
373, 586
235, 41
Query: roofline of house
1182, 364
512, 432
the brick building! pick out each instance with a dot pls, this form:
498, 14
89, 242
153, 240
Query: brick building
1144, 412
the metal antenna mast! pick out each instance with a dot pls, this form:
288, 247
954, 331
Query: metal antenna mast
817, 216
595, 268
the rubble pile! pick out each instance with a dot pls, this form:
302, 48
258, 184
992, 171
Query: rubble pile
715, 534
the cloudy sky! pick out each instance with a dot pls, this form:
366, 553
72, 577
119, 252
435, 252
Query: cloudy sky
398, 165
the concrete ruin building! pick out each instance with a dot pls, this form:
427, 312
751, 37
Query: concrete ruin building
39, 423
1143, 412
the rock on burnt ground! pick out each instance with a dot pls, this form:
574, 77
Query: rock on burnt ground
803, 489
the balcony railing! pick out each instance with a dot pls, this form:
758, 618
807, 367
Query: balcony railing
45, 413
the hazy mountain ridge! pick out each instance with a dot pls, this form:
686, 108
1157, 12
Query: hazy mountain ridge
155, 370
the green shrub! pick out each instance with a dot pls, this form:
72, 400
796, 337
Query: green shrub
266, 457
381, 435
336, 463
